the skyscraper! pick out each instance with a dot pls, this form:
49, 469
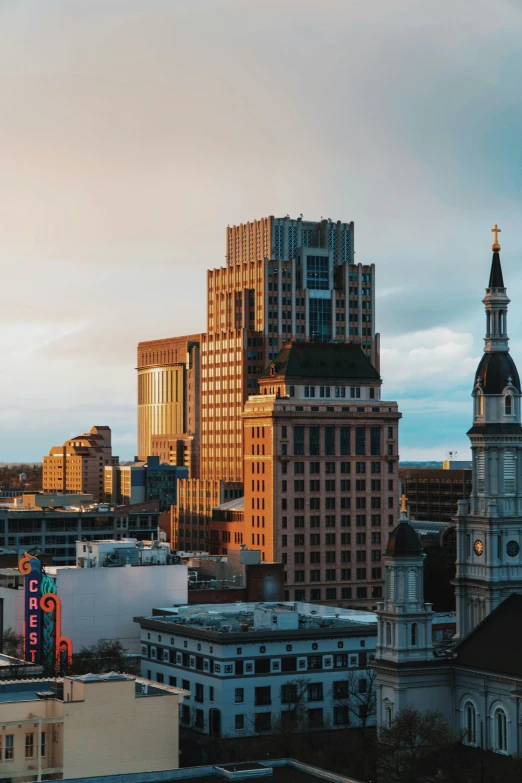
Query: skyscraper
168, 394
284, 279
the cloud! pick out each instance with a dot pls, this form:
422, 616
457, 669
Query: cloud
136, 132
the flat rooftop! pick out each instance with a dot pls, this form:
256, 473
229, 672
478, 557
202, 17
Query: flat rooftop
239, 617
275, 770
30, 690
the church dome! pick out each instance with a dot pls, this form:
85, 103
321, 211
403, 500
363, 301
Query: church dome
404, 540
494, 371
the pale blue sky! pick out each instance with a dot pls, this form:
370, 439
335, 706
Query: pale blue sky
132, 133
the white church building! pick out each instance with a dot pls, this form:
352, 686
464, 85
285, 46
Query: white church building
477, 682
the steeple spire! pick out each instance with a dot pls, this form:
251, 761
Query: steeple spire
496, 303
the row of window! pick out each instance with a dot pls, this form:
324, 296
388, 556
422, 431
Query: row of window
315, 468
329, 540
7, 746
330, 503
331, 574
333, 444
330, 520
345, 485
333, 594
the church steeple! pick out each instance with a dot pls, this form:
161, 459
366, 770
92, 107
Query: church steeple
489, 525
404, 620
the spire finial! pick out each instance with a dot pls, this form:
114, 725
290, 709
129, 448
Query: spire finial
404, 504
496, 231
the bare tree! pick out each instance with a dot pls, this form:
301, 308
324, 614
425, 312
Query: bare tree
356, 695
294, 705
13, 643
413, 746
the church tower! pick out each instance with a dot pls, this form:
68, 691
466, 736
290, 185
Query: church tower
404, 630
489, 525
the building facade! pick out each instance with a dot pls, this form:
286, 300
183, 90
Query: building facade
54, 532
321, 478
140, 481
78, 465
284, 279
253, 668
168, 392
87, 726
433, 494
478, 682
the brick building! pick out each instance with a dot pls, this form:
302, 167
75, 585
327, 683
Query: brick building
321, 473
78, 465
433, 493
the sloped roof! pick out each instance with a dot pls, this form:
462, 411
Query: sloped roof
404, 540
496, 279
344, 361
495, 370
494, 645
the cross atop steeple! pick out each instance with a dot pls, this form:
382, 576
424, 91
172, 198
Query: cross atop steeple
404, 504
496, 231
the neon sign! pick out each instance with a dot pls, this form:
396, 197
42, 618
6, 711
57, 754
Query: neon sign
43, 640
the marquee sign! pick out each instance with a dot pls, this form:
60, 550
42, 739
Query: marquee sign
43, 640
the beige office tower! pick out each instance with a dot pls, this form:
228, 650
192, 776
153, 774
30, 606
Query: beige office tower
284, 279
168, 400
78, 466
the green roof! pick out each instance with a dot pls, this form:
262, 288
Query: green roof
324, 361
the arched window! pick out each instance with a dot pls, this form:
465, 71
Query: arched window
392, 583
480, 405
414, 634
388, 634
508, 405
388, 718
500, 730
470, 723
509, 473
480, 466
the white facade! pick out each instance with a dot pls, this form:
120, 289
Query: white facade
100, 603
236, 667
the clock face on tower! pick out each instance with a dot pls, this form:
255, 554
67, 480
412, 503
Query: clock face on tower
512, 548
478, 546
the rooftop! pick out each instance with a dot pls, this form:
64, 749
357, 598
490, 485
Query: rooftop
276, 770
32, 689
343, 361
252, 617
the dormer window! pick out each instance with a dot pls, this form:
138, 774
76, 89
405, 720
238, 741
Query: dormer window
508, 405
480, 405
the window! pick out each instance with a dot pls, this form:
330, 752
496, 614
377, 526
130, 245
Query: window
315, 662
315, 467
239, 722
341, 715
314, 440
262, 696
315, 485
388, 634
375, 441
9, 747
470, 723
262, 721
199, 692
509, 405
29, 745
414, 634
315, 717
298, 440
329, 441
298, 485
315, 691
360, 440
331, 593
500, 730
239, 695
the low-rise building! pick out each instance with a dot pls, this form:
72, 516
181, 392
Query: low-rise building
252, 667
54, 531
143, 480
87, 726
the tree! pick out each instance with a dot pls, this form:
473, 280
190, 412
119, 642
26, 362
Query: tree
105, 655
356, 695
293, 705
413, 747
12, 643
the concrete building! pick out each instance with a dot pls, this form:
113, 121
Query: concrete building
54, 531
78, 465
139, 481
321, 479
111, 582
433, 493
249, 667
87, 726
190, 517
168, 393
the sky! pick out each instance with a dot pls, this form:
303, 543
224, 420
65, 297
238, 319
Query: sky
132, 133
